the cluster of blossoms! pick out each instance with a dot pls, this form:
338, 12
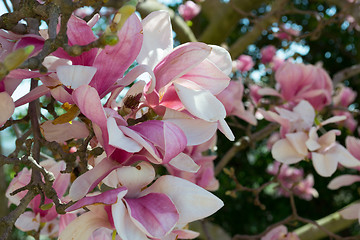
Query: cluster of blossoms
168, 116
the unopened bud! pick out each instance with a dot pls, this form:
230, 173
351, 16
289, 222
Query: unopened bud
16, 58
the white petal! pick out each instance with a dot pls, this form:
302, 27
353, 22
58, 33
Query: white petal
323, 165
158, 40
197, 131
185, 163
225, 129
125, 228
298, 140
135, 178
73, 76
221, 58
201, 103
284, 152
191, 201
307, 113
333, 119
119, 140
342, 155
28, 221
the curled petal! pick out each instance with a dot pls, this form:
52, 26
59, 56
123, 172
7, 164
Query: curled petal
154, 213
125, 227
191, 201
82, 227
221, 58
184, 162
342, 155
201, 103
119, 140
343, 180
108, 197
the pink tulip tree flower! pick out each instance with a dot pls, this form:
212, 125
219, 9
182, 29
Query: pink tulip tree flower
267, 54
135, 211
244, 63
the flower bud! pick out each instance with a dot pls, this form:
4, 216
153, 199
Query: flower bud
16, 58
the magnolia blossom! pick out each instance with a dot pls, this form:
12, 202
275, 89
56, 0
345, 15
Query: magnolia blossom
300, 140
267, 54
47, 221
159, 211
189, 10
244, 63
231, 97
293, 178
287, 34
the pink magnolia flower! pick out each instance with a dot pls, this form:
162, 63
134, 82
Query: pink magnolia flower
267, 54
46, 221
300, 140
137, 212
298, 82
289, 177
189, 10
244, 63
280, 233
187, 78
204, 175
231, 97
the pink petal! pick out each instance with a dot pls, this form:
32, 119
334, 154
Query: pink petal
125, 227
107, 198
154, 213
63, 132
351, 212
113, 61
333, 119
191, 201
343, 180
158, 39
7, 107
163, 134
88, 181
353, 145
32, 95
180, 61
297, 141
